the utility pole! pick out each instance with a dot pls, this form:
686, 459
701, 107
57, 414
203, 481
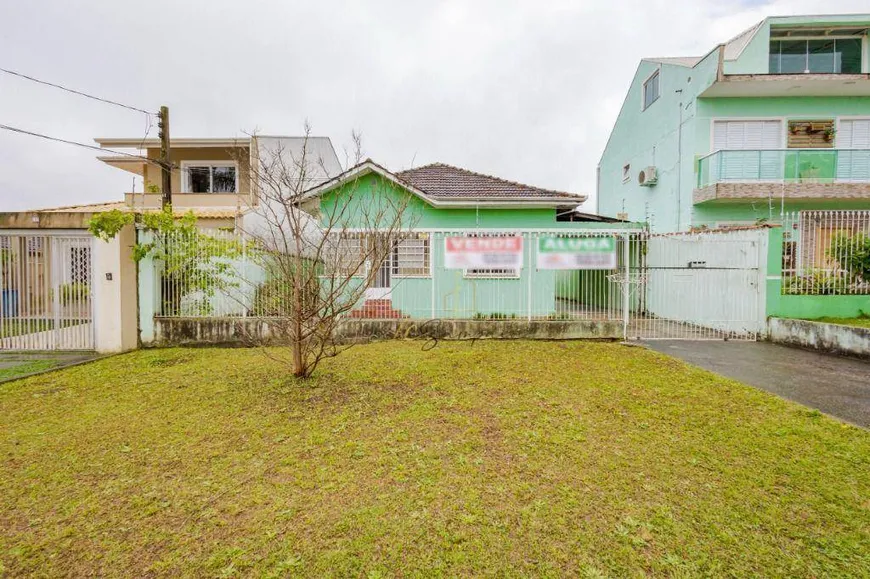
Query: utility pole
165, 159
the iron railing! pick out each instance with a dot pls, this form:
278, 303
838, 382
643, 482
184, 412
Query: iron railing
826, 252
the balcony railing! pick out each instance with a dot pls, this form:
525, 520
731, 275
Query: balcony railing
784, 166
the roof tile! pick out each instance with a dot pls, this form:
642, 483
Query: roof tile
440, 180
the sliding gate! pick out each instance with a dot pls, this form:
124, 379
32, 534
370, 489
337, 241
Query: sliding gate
705, 285
45, 292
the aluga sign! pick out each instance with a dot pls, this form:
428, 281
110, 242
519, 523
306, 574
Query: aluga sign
483, 252
576, 252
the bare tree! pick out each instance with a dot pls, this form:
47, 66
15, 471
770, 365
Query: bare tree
319, 254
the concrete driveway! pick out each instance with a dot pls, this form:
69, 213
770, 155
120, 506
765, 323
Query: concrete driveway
836, 386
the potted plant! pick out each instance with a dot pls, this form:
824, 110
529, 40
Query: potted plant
829, 134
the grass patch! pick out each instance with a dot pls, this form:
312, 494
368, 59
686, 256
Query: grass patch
862, 322
501, 458
26, 367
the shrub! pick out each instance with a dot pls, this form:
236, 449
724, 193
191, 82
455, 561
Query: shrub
816, 282
75, 292
852, 253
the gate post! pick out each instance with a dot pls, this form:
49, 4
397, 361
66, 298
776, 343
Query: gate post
626, 288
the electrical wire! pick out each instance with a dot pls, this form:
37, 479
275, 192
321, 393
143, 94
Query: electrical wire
77, 144
77, 92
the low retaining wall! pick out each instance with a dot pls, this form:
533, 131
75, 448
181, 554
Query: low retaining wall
832, 338
214, 331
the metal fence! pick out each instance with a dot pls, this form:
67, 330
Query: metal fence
221, 274
826, 253
45, 292
679, 286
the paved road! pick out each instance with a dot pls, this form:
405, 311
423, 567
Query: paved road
835, 385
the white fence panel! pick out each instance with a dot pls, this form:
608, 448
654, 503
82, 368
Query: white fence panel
45, 292
704, 285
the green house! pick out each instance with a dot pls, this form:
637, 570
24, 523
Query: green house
773, 121
447, 210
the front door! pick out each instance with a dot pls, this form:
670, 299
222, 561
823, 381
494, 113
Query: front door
380, 289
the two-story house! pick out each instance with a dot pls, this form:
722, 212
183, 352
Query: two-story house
775, 120
213, 177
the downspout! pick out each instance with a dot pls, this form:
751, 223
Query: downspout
679, 160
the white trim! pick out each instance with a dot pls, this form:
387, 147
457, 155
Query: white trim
108, 142
643, 105
185, 184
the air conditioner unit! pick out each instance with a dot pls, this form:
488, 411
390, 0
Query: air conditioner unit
647, 177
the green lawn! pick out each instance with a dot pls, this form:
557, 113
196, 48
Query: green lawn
9, 370
857, 322
20, 326
498, 458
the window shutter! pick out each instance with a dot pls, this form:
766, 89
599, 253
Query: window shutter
853, 165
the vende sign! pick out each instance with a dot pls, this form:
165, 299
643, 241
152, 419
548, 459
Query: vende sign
483, 252
576, 252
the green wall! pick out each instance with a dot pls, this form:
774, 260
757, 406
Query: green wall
361, 199
650, 137
642, 138
447, 293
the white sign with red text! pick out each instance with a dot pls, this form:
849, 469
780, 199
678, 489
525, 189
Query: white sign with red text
483, 252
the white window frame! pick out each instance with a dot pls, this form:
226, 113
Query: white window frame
185, 182
427, 252
626, 173
783, 129
643, 105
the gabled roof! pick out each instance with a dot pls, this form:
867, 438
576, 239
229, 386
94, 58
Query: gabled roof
443, 185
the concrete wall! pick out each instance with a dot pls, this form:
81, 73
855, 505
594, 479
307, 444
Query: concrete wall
114, 293
832, 338
214, 331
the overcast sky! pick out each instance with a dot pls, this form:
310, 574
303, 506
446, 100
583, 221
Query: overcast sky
524, 90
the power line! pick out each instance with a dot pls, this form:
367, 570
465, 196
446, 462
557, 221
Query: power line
77, 144
73, 91
155, 162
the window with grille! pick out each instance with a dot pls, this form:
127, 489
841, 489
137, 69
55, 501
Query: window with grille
343, 255
80, 264
411, 255
492, 273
